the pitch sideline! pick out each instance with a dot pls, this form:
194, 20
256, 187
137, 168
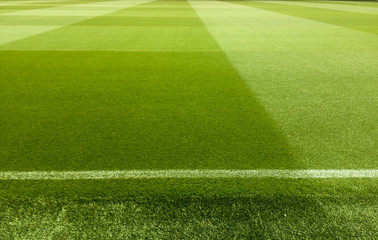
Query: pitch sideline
190, 173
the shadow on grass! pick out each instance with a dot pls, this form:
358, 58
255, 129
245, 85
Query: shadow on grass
268, 217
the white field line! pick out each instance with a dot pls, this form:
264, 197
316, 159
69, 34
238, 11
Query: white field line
179, 51
207, 173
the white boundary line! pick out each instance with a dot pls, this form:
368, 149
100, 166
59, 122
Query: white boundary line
207, 173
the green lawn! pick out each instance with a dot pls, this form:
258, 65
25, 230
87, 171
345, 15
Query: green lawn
140, 84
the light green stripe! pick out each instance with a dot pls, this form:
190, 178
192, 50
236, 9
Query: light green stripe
321, 91
13, 33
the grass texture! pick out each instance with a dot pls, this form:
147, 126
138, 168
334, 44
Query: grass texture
315, 79
178, 114
123, 85
135, 109
190, 218
189, 209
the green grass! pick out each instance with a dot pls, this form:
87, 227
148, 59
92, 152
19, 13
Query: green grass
190, 218
85, 110
354, 20
91, 85
358, 3
189, 209
188, 111
38, 20
316, 80
32, 6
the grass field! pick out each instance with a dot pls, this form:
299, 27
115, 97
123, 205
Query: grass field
174, 119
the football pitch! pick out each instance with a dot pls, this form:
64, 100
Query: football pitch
188, 119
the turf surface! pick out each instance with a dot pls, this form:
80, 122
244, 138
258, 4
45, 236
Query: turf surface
119, 85
178, 114
195, 209
326, 107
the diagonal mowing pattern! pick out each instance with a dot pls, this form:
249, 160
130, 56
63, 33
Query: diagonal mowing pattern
317, 80
336, 6
15, 6
113, 34
358, 21
215, 208
353, 3
16, 25
88, 110
30, 7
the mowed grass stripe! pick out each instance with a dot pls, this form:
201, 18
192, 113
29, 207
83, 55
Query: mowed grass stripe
323, 100
132, 110
373, 4
17, 27
267, 173
357, 21
24, 6
68, 14
335, 6
124, 31
18, 6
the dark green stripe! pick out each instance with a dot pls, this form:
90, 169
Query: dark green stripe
133, 110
